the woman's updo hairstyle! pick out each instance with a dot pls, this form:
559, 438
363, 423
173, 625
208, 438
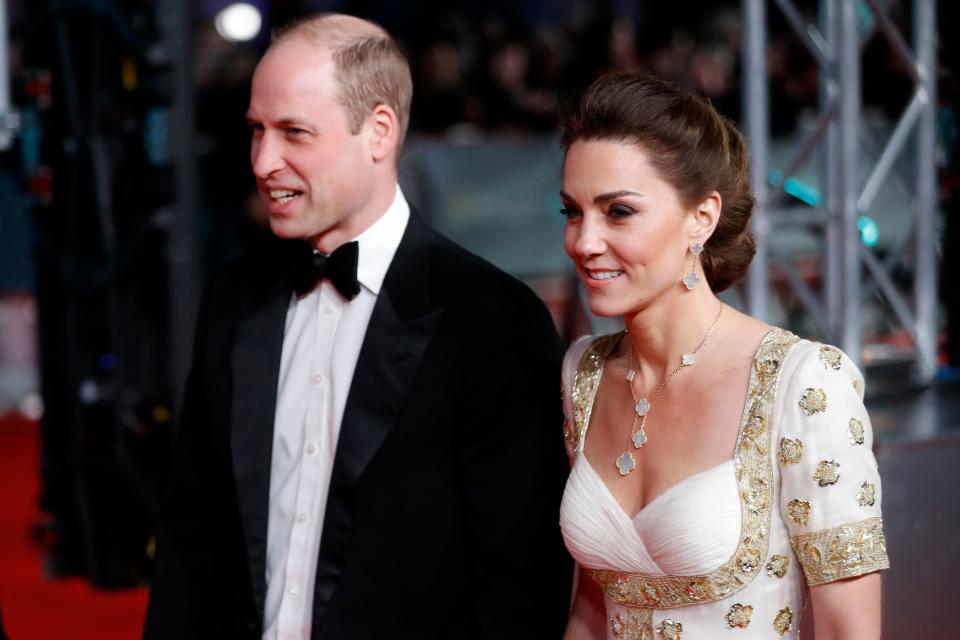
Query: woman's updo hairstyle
689, 144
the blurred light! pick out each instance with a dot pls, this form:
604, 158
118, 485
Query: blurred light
108, 361
88, 391
32, 406
802, 191
162, 414
869, 230
239, 22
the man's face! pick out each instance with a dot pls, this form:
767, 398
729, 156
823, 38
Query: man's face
314, 174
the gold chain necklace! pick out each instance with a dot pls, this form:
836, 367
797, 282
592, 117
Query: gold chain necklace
625, 461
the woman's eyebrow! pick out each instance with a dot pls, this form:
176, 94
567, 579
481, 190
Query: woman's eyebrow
603, 197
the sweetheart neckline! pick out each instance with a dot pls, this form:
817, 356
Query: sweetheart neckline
657, 497
743, 422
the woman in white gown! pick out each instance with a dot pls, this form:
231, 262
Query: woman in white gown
721, 469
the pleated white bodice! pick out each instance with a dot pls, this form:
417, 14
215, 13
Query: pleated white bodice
689, 529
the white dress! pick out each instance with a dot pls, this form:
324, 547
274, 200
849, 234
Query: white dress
731, 551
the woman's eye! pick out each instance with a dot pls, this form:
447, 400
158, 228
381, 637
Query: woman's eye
569, 212
620, 211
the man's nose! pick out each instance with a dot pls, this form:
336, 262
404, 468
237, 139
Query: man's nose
265, 157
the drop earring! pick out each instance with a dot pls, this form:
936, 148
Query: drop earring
692, 279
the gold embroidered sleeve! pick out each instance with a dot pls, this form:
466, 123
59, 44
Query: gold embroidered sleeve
844, 551
828, 474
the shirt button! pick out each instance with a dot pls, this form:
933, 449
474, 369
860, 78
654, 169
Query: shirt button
317, 378
327, 311
311, 448
293, 590
303, 517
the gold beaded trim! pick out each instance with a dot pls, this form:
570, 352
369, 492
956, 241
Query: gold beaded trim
754, 467
585, 383
840, 552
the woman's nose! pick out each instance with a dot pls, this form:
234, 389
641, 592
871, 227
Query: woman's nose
590, 240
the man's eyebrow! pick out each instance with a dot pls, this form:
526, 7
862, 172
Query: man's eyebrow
282, 122
603, 197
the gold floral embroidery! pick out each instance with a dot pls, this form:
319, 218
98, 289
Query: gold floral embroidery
756, 427
739, 616
768, 367
827, 473
749, 559
754, 481
855, 431
830, 357
757, 496
784, 621
670, 630
778, 566
813, 401
858, 387
618, 626
799, 511
790, 450
637, 626
867, 495
842, 552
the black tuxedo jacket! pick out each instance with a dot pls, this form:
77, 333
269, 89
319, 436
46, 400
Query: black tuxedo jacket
442, 517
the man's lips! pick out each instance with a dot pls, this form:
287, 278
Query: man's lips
279, 199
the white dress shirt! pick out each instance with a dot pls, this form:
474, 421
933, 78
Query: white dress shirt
321, 343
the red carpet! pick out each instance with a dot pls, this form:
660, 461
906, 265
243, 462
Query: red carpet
33, 607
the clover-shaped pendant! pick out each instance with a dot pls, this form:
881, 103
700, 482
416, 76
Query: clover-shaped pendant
639, 438
626, 463
643, 407
691, 280
687, 359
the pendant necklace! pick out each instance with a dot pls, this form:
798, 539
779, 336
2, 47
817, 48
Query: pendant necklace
638, 437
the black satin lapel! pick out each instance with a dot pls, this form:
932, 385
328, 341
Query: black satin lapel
256, 369
391, 351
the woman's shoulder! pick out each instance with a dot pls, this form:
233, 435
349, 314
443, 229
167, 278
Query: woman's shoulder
573, 361
811, 362
596, 344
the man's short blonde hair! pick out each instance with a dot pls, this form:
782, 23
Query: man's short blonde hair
368, 64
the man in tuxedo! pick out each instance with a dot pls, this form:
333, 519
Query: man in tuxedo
370, 440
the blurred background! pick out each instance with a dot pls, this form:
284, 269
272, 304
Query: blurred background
125, 179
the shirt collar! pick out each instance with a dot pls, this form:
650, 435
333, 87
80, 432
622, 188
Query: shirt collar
379, 242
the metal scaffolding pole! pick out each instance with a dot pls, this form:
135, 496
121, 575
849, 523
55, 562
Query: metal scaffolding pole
757, 129
176, 20
829, 99
853, 274
848, 76
8, 118
926, 258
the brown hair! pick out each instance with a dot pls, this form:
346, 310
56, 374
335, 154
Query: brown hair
369, 65
690, 145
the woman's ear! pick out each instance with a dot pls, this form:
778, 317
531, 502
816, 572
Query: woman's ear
384, 132
704, 218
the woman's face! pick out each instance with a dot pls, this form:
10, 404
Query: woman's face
627, 231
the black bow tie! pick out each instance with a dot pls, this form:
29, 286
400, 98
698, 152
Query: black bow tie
340, 268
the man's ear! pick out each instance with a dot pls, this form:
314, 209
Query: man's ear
384, 132
704, 218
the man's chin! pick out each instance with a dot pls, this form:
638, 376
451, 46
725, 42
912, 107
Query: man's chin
286, 229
